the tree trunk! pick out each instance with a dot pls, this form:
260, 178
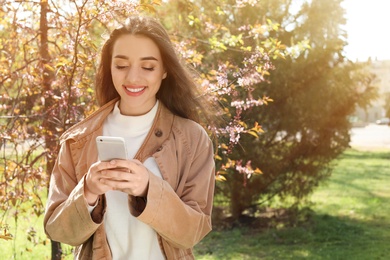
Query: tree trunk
236, 202
48, 122
56, 250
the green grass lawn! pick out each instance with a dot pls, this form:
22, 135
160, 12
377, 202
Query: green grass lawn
29, 241
349, 219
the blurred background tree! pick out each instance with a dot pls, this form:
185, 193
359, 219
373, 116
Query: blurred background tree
314, 87
315, 92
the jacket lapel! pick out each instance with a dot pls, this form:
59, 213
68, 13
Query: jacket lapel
158, 133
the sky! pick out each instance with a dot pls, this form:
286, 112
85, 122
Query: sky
368, 23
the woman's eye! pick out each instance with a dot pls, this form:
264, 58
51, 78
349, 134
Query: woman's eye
149, 69
120, 67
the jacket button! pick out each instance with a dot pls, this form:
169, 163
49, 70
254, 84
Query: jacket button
158, 133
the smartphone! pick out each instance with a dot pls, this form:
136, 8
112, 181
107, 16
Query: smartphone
110, 148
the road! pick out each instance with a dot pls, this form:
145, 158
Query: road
371, 137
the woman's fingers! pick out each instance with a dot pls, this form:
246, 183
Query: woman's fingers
93, 184
129, 176
101, 166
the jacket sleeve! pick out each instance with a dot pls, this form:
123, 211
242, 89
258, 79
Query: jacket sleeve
182, 217
67, 219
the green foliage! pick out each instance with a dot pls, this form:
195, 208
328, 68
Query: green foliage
291, 53
232, 53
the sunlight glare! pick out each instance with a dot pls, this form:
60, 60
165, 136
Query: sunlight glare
368, 35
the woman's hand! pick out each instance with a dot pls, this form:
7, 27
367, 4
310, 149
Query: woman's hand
130, 177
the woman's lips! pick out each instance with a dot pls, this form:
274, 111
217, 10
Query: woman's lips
134, 91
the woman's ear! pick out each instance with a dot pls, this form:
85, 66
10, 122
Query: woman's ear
164, 75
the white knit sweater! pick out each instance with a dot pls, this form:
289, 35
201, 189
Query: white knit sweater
128, 237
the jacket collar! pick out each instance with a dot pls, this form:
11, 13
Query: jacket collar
92, 125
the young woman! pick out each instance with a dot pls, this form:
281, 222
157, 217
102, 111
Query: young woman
157, 203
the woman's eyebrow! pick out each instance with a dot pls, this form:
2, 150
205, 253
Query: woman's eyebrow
149, 58
119, 56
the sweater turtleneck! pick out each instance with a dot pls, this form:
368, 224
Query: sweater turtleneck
132, 128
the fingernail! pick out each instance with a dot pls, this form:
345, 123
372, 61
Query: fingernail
113, 162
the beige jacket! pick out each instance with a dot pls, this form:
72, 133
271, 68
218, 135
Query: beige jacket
178, 206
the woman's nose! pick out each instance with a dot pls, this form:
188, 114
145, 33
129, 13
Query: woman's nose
132, 75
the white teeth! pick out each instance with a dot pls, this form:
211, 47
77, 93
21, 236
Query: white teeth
135, 90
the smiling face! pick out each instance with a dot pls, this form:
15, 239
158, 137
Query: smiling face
137, 71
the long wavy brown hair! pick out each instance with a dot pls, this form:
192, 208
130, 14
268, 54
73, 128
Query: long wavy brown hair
178, 91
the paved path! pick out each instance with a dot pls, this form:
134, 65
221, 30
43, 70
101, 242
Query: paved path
371, 137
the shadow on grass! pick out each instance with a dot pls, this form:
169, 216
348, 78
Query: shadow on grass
318, 237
